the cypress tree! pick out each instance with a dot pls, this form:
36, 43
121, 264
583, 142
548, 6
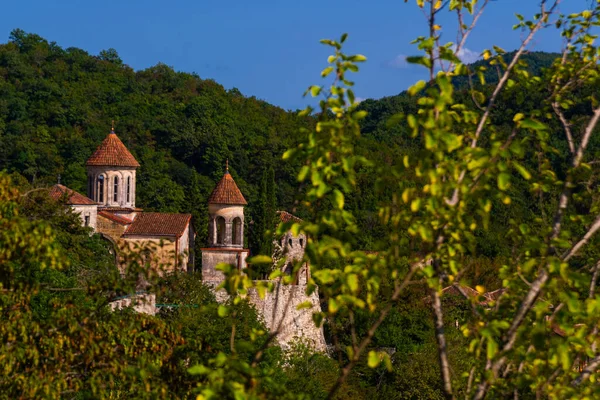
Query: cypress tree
270, 211
260, 218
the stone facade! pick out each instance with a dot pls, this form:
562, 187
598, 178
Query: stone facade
87, 213
211, 257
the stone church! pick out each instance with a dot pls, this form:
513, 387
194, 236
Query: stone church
110, 210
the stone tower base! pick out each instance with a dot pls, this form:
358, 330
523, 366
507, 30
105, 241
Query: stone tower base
279, 312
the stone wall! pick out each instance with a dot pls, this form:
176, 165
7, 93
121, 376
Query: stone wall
110, 228
143, 303
279, 312
89, 212
291, 248
162, 254
213, 256
185, 247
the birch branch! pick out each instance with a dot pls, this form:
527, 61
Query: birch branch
584, 240
441, 341
566, 126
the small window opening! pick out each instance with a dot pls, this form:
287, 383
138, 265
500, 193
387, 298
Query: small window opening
237, 231
100, 197
87, 220
116, 189
220, 230
290, 243
289, 269
301, 242
128, 189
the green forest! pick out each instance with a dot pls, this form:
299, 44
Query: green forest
374, 183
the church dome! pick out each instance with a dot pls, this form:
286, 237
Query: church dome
112, 153
227, 192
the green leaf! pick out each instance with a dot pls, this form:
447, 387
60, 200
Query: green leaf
358, 58
260, 259
304, 305
333, 306
352, 281
503, 181
533, 124
416, 88
326, 72
374, 359
223, 311
522, 170
360, 114
315, 90
338, 198
518, 117
491, 348
198, 370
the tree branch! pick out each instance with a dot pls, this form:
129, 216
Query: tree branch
441, 341
589, 370
565, 125
584, 240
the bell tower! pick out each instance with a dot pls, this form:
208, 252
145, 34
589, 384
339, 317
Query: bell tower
111, 174
225, 229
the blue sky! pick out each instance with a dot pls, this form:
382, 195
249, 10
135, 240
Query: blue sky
266, 48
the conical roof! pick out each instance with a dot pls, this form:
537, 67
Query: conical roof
227, 192
112, 153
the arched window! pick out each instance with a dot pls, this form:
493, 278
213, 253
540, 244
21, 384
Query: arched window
301, 242
116, 189
220, 230
100, 197
237, 231
290, 242
128, 189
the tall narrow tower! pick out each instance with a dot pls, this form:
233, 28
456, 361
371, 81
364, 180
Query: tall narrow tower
225, 229
111, 174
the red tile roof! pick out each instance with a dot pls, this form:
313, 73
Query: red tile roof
158, 224
227, 192
113, 153
58, 192
285, 216
115, 218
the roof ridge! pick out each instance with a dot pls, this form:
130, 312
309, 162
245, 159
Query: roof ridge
73, 197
